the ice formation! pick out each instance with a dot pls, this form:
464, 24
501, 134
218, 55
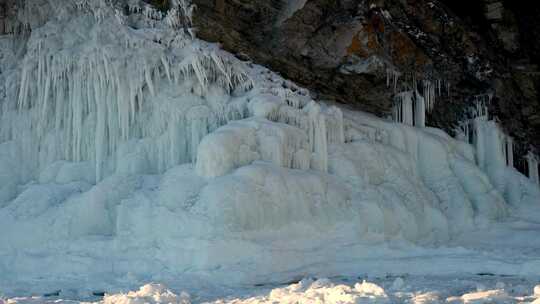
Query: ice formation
150, 293
532, 162
144, 145
80, 106
392, 78
411, 107
322, 291
493, 146
509, 151
331, 291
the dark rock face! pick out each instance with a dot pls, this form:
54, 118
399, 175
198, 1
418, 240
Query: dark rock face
342, 50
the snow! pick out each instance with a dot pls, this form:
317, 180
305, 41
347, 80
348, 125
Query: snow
203, 171
150, 293
321, 291
329, 291
490, 296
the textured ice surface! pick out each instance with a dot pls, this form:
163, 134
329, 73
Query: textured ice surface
145, 146
337, 291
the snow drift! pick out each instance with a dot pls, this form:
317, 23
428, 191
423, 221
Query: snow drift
145, 146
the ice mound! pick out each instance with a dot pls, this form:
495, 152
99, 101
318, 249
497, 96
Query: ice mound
321, 291
490, 296
148, 294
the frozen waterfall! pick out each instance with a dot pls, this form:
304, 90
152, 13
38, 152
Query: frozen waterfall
145, 145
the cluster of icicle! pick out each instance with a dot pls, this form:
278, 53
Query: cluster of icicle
157, 89
411, 106
81, 105
392, 78
294, 132
478, 111
323, 125
472, 131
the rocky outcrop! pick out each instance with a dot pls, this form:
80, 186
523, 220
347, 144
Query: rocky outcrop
343, 51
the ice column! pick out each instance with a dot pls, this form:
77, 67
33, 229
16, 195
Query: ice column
198, 119
481, 106
510, 151
532, 161
479, 142
334, 126
464, 131
420, 111
407, 105
317, 137
392, 77
403, 108
429, 95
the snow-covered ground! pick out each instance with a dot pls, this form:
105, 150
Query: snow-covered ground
143, 154
402, 289
499, 264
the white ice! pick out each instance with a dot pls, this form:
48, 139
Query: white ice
145, 146
336, 291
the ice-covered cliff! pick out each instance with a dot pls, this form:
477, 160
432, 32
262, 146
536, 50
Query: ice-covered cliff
125, 140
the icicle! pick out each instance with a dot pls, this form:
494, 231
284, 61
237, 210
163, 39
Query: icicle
510, 151
317, 137
395, 109
429, 95
532, 161
463, 132
479, 141
396, 78
403, 108
420, 111
481, 107
198, 119
334, 126
407, 110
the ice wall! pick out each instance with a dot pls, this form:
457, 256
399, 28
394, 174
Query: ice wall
146, 146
